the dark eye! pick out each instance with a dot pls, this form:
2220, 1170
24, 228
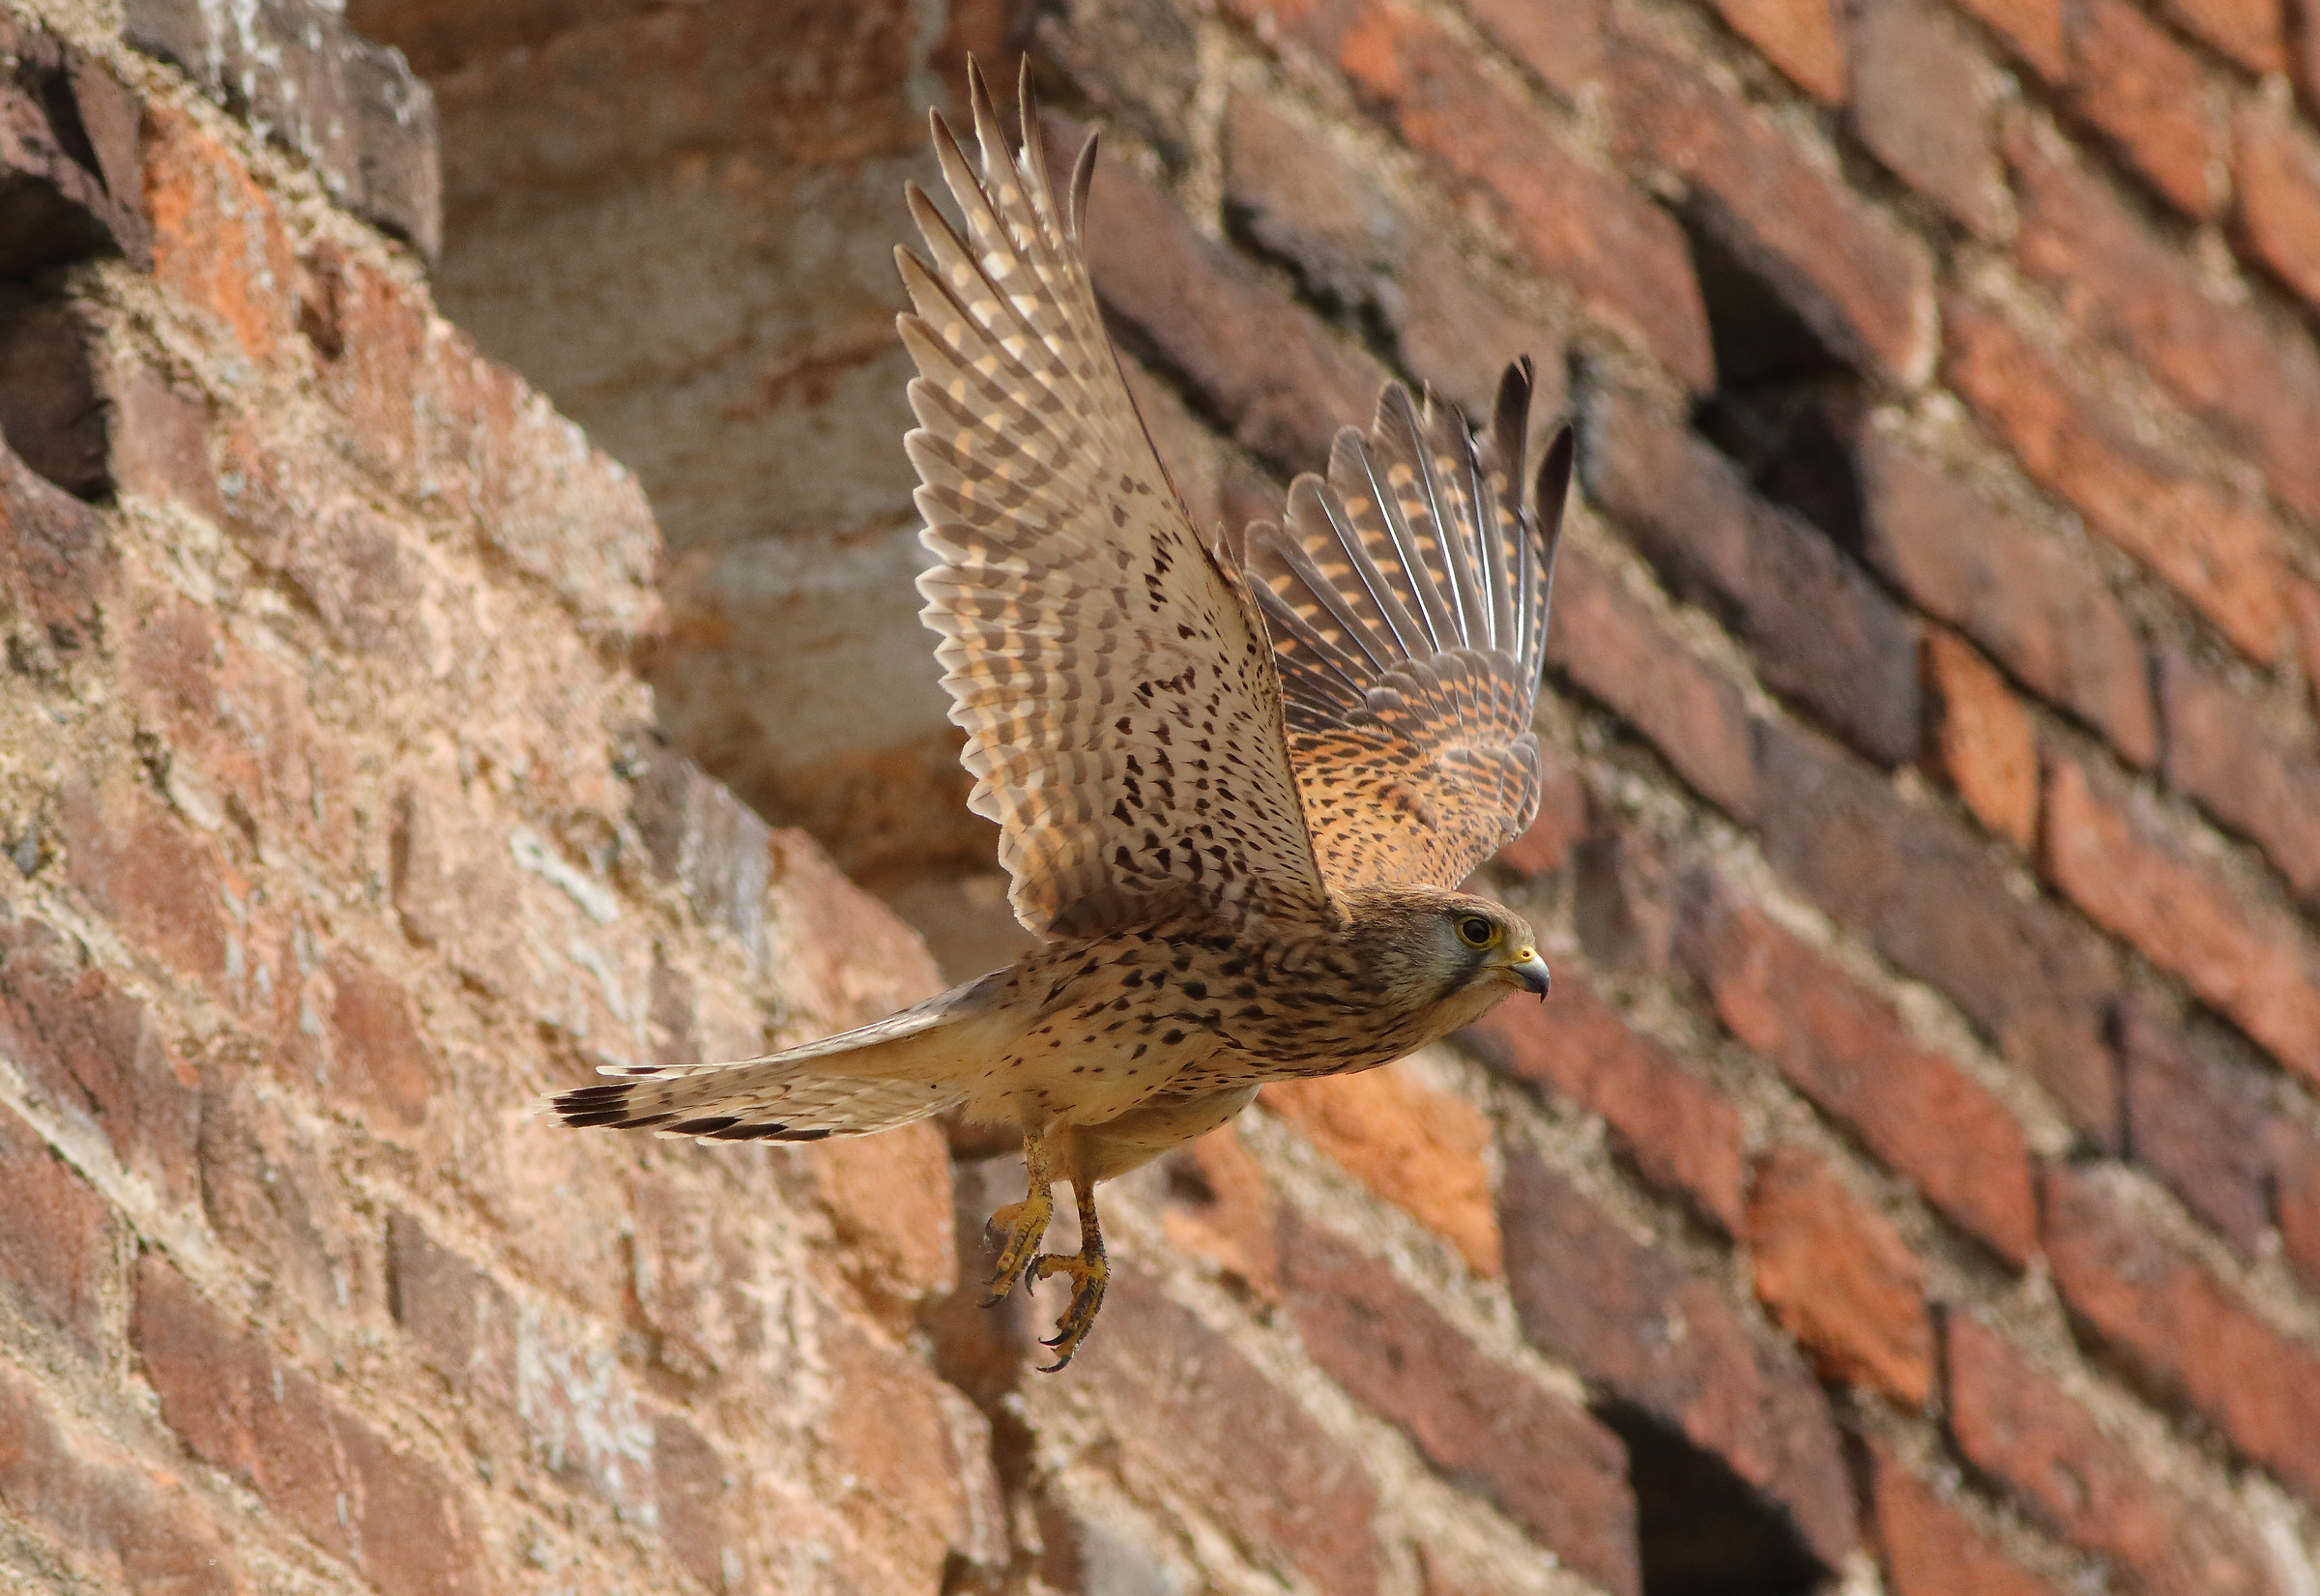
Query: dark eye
1476, 932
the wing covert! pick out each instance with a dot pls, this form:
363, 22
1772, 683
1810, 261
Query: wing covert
1407, 595
1117, 686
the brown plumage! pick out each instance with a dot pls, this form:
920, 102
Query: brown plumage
1235, 793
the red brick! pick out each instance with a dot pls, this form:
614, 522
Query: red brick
890, 1201
1563, 44
2251, 961
1616, 651
218, 242
1839, 1277
1932, 1549
2251, 32
59, 1250
2195, 1122
1922, 102
1800, 37
2294, 1153
1981, 739
57, 563
2303, 604
455, 885
1623, 258
1623, 896
380, 1059
2147, 95
1540, 1459
1563, 818
1418, 1147
117, 1518
2278, 217
2040, 612
1280, 382
1349, 244
2014, 1423
925, 1498
1852, 276
2187, 1331
1939, 903
1819, 628
2304, 48
1195, 1419
2249, 776
1915, 1109
53, 392
461, 1322
2035, 30
2213, 546
270, 1195
1640, 1329
275, 1430
2258, 386
1220, 1208
700, 1515
160, 442
97, 1054
1681, 1132
371, 334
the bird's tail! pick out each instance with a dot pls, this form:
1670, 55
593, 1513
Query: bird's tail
870, 1079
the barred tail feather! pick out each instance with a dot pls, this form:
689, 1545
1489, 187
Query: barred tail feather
904, 1067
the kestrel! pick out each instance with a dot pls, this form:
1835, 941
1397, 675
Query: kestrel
1237, 785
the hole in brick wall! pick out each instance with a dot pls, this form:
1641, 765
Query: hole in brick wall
1700, 1530
52, 412
1785, 408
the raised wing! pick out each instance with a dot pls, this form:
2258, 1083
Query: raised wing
1123, 715
1408, 602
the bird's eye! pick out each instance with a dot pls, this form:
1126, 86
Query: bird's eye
1476, 932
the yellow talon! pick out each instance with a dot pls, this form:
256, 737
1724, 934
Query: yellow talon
1090, 1272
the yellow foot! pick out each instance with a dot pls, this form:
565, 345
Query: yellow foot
1020, 1228
1089, 1272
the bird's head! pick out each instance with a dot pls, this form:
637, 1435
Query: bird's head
1454, 943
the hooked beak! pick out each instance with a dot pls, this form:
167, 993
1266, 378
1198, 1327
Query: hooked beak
1529, 972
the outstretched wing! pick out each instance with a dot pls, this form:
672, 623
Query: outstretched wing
1408, 602
1123, 715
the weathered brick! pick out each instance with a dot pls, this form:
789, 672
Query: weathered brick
1195, 1419
1562, 818
1937, 901
1820, 630
270, 1195
1642, 1331
1680, 1131
1563, 44
2279, 215
1540, 1459
57, 563
1275, 377
2013, 1422
160, 885
2251, 32
2183, 1328
1837, 1277
889, 1201
460, 1321
371, 333
1922, 102
2040, 612
1624, 259
160, 442
271, 1427
693, 1488
2258, 386
2148, 97
219, 241
69, 158
1612, 646
2035, 30
53, 407
1929, 1547
1623, 896
453, 883
379, 1060
59, 1248
1982, 740
2304, 48
2213, 546
927, 1501
2197, 1124
1915, 1109
1219, 1207
2293, 1151
122, 1520
1857, 282
97, 1054
2253, 962
1800, 37
2249, 776
2304, 606
1416, 1145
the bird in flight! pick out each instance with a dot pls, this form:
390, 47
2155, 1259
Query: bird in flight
1237, 784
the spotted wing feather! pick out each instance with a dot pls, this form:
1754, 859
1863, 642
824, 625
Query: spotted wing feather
1117, 686
1407, 595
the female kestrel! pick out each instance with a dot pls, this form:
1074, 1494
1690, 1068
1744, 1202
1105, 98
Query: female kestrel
1237, 790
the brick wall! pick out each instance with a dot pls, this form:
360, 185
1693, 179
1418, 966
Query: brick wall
1913, 1183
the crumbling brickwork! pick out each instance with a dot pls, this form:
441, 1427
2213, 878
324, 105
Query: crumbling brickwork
1913, 1183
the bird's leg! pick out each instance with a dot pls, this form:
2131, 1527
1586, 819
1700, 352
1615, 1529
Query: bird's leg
1088, 1272
1020, 1227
